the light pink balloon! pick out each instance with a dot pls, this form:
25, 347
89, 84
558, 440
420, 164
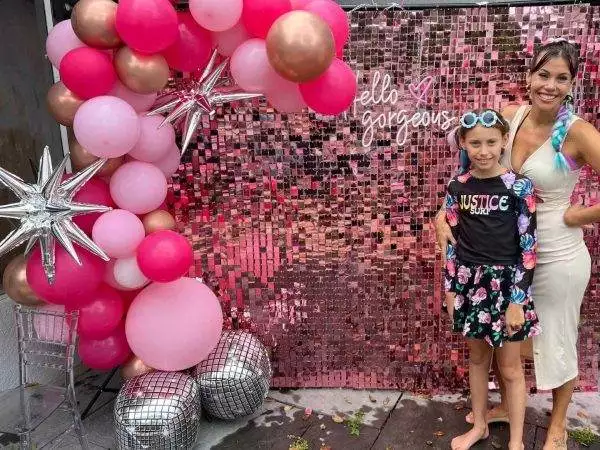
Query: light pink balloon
154, 142
139, 187
227, 41
216, 15
118, 233
250, 66
127, 273
60, 41
169, 164
187, 316
139, 102
335, 17
106, 126
285, 96
109, 277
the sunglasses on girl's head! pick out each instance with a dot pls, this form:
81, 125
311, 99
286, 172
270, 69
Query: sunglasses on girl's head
487, 118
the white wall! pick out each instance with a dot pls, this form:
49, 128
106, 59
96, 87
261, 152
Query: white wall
9, 362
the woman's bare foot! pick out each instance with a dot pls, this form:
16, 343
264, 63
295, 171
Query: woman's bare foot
517, 446
469, 439
556, 440
495, 415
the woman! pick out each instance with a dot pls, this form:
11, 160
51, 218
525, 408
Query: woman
549, 145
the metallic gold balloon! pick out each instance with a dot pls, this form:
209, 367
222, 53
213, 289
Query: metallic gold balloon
15, 283
300, 46
143, 74
133, 368
62, 104
94, 23
81, 158
158, 220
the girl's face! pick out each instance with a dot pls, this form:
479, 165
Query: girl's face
484, 147
550, 84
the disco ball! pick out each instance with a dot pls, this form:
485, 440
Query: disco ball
234, 379
157, 410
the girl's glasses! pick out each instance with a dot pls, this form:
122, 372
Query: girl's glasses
487, 118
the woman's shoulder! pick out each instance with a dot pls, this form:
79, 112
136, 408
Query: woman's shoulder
509, 112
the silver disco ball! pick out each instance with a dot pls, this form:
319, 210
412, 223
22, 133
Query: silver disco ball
158, 410
234, 379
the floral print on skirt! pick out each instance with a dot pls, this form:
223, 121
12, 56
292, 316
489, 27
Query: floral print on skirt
482, 297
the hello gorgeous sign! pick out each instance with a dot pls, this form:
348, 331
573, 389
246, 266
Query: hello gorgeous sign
405, 113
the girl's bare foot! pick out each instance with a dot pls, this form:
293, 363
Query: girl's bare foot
556, 440
469, 439
494, 415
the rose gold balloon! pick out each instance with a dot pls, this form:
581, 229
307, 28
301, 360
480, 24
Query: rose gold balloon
158, 220
81, 158
143, 74
15, 283
94, 23
133, 368
300, 46
62, 103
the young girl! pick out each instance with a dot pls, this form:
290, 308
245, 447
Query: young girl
488, 273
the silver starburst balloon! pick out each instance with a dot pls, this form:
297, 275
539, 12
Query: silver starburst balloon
46, 209
198, 98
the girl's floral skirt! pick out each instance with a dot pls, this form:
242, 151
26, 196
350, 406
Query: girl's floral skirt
482, 297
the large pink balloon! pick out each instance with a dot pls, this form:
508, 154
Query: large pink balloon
139, 102
95, 191
155, 141
285, 96
250, 66
107, 353
165, 256
259, 15
184, 313
169, 164
333, 92
102, 315
139, 187
74, 284
147, 26
216, 15
336, 18
227, 41
106, 126
118, 233
87, 72
191, 50
61, 40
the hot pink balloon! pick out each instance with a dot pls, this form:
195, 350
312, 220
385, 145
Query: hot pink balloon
333, 92
147, 26
107, 353
52, 327
155, 141
60, 41
259, 15
165, 256
95, 191
139, 187
335, 17
250, 66
227, 41
139, 102
102, 315
87, 72
285, 96
187, 316
216, 15
118, 233
106, 126
169, 164
74, 284
191, 50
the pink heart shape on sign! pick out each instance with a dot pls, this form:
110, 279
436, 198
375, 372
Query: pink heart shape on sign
420, 91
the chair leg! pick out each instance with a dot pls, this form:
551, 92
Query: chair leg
78, 424
25, 441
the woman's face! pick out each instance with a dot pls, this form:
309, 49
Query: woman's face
550, 84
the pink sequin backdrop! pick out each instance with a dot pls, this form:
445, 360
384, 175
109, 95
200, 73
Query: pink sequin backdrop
316, 232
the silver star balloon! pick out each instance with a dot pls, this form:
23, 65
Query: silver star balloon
199, 97
46, 209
